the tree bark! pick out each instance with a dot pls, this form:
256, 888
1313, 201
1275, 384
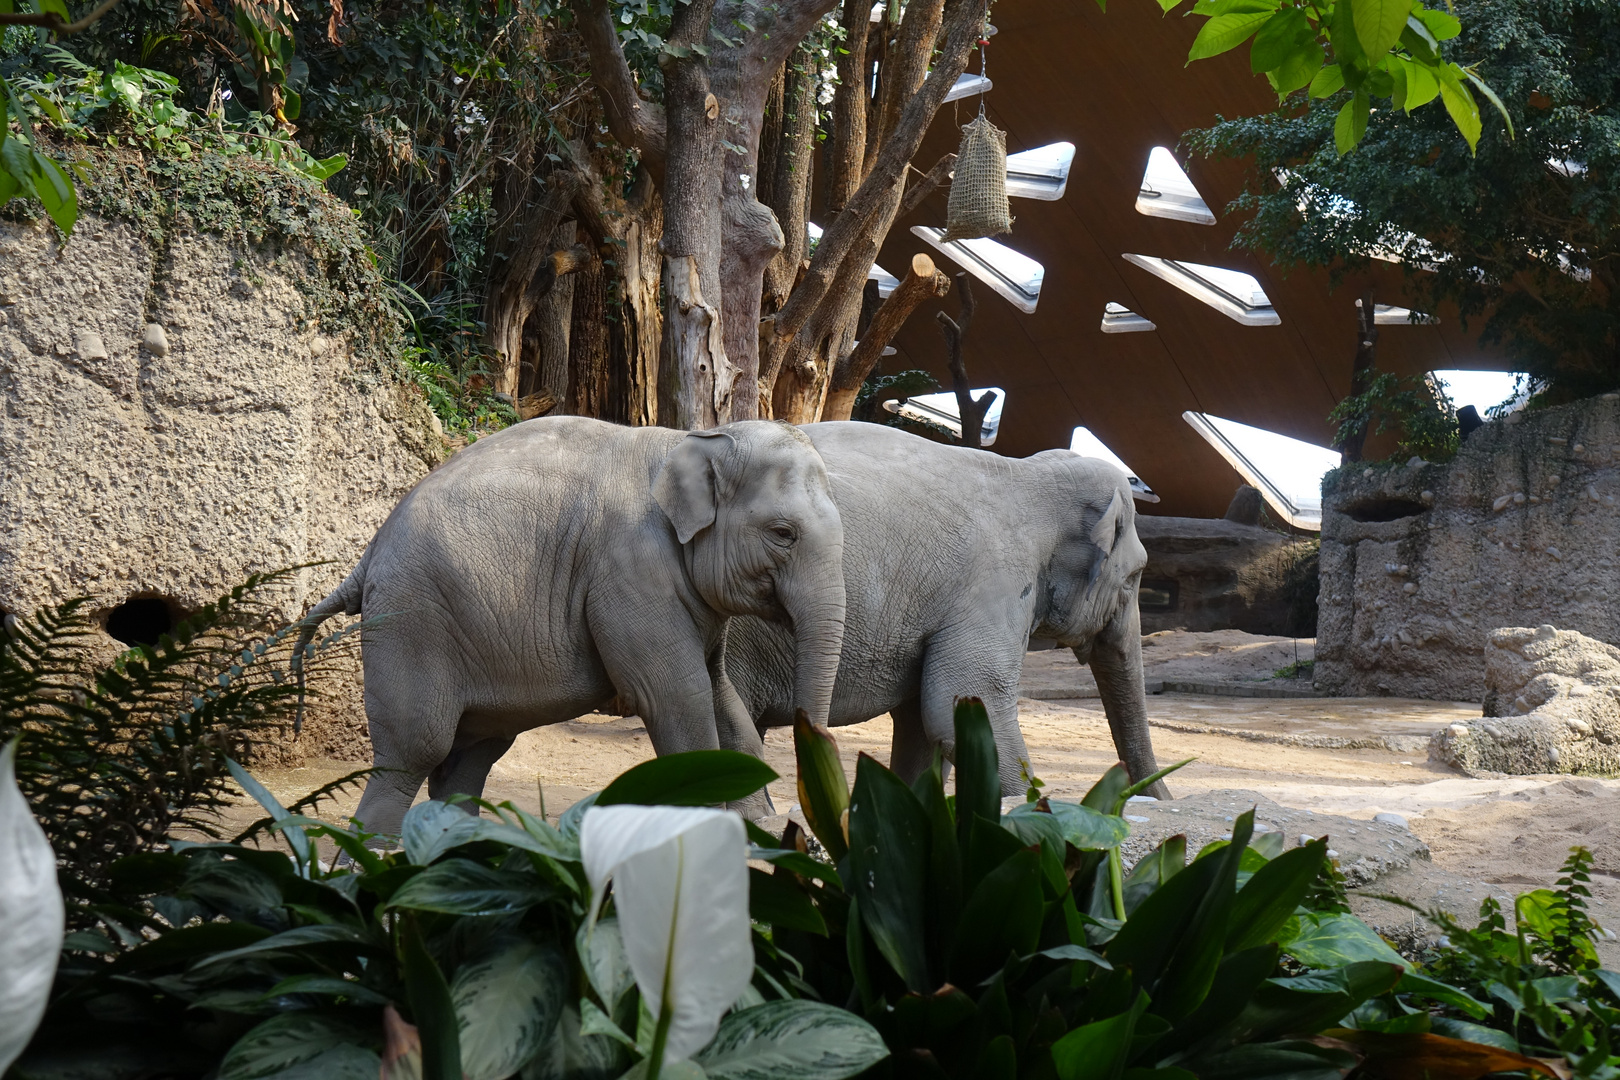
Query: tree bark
848, 152
636, 124
588, 343
925, 185
921, 282
970, 412
549, 326
1361, 371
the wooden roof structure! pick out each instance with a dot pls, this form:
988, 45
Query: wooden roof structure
1116, 85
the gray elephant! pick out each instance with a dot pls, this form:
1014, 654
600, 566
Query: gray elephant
953, 558
549, 566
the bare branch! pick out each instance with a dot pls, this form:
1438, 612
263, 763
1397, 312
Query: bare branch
920, 189
635, 123
53, 22
955, 331
922, 282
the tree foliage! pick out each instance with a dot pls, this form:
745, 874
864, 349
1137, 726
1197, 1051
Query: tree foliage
1521, 236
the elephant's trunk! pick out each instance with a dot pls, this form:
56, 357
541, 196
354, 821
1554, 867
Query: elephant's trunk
1116, 661
817, 610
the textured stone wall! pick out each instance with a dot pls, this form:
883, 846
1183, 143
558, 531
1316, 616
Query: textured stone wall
1420, 562
173, 418
1221, 575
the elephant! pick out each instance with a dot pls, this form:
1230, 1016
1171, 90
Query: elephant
562, 561
953, 559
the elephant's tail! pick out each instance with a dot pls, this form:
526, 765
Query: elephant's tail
346, 599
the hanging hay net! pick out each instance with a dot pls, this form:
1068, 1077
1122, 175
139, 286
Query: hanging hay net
978, 203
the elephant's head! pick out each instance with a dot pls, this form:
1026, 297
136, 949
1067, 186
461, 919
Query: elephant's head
1093, 578
754, 514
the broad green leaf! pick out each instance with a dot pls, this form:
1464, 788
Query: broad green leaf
324, 168
1154, 869
696, 778
1279, 38
1033, 827
1417, 40
805, 1040
823, 787
432, 828
1347, 51
1310, 1002
573, 1052
431, 1007
1295, 1060
978, 773
326, 986
1443, 25
1351, 123
1298, 69
888, 863
600, 949
944, 890
1236, 980
1087, 829
507, 1003
305, 1045
1267, 902
1475, 1033
301, 937
1149, 939
1378, 24
1331, 939
1075, 952
188, 943
54, 189
1191, 969
1226, 32
1106, 795
1234, 7
1327, 82
1490, 95
1420, 985
272, 806
1099, 1050
778, 901
1460, 104
798, 862
680, 885
464, 887
1002, 917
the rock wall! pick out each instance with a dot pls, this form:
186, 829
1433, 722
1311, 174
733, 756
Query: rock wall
174, 416
1214, 574
1420, 562
1552, 704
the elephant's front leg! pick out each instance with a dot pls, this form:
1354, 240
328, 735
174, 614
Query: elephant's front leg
964, 666
737, 731
659, 663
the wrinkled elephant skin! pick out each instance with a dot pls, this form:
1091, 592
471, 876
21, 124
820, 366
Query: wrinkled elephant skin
953, 559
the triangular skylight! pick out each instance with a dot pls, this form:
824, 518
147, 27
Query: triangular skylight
1086, 444
1041, 173
1287, 471
1231, 292
1484, 390
1015, 278
887, 282
941, 411
1119, 319
1167, 192
969, 85
1387, 315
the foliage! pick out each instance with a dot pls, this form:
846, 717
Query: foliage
117, 756
1299, 669
1420, 414
461, 398
1521, 236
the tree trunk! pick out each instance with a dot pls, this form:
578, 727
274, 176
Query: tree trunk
549, 324
589, 345
849, 105
922, 282
1361, 371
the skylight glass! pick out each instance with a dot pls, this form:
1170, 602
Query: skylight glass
1231, 292
969, 85
1086, 444
887, 282
1287, 471
1484, 390
1387, 315
1015, 278
1168, 192
1041, 173
1119, 319
941, 410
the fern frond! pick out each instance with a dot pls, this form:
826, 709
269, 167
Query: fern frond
307, 804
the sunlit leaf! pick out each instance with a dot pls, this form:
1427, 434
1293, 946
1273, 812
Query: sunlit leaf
1460, 104
1378, 24
1351, 123
1226, 32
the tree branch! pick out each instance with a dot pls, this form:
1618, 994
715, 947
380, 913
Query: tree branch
920, 189
636, 124
922, 282
51, 21
972, 412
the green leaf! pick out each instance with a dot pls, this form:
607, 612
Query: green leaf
272, 806
54, 189
1475, 1033
1085, 828
1226, 32
1327, 82
326, 986
507, 1003
1378, 24
1099, 1050
1311, 1002
1234, 7
324, 168
777, 900
1075, 952
1191, 968
1236, 980
1490, 95
1108, 793
798, 862
1267, 902
300, 937
696, 778
1331, 939
805, 1040
306, 1045
1001, 917
1422, 986
823, 787
978, 772
888, 864
431, 1007
1279, 38
600, 948
1443, 25
188, 943
1351, 123
463, 887
1298, 1060
1460, 104
1298, 69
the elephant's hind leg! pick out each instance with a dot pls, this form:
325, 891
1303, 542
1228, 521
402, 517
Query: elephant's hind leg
413, 730
466, 769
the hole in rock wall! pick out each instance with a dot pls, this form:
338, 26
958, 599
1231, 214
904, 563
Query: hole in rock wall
1384, 509
1157, 596
141, 620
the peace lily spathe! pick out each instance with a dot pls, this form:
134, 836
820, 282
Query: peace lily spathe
31, 916
680, 882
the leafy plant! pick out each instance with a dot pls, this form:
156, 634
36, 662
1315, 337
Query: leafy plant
1420, 414
117, 756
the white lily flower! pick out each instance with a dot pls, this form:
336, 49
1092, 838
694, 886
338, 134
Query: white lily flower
681, 887
30, 913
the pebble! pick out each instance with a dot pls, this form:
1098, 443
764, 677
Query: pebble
1136, 818
1305, 838
1142, 798
155, 341
1391, 819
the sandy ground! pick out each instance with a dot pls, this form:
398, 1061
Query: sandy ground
1311, 763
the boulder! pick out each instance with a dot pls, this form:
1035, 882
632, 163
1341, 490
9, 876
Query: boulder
1552, 704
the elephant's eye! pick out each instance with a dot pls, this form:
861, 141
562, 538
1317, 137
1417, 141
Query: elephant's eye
784, 533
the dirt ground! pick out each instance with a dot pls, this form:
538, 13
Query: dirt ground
1320, 766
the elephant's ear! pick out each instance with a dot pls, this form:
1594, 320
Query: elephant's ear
1105, 534
686, 487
